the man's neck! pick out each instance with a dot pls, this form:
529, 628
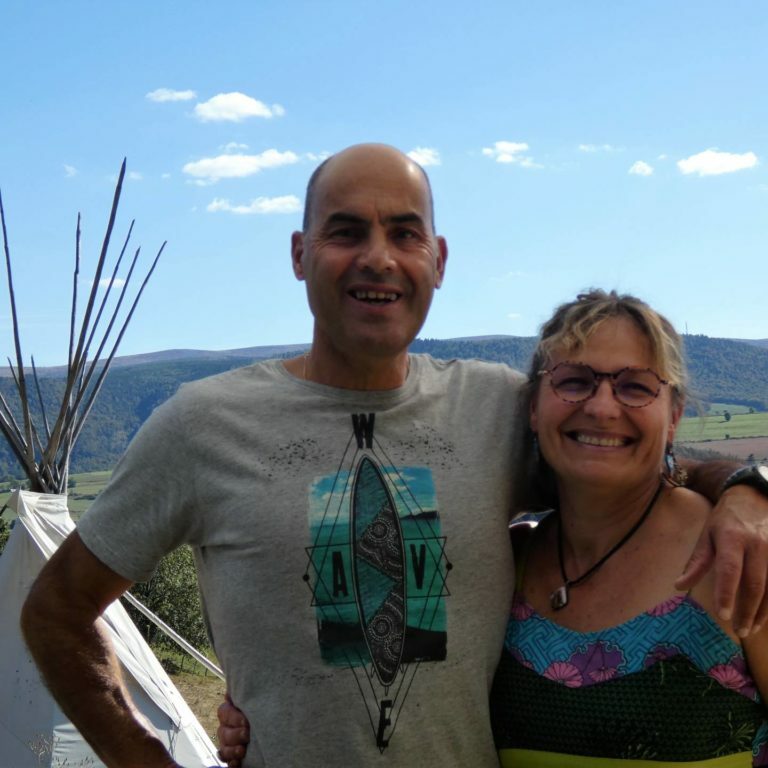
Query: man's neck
360, 374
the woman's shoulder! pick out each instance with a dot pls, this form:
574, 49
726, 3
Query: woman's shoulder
688, 510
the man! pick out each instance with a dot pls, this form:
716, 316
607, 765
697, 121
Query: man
347, 508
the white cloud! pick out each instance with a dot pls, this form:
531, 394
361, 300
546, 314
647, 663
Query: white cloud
235, 107
598, 148
318, 158
713, 162
135, 176
425, 156
165, 176
167, 94
284, 204
70, 171
237, 166
510, 152
118, 282
514, 316
233, 146
640, 168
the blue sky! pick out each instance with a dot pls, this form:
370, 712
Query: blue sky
619, 144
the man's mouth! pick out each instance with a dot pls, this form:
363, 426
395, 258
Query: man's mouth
600, 441
375, 297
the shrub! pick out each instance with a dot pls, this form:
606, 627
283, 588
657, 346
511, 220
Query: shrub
173, 595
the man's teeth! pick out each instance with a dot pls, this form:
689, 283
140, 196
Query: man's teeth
603, 442
374, 296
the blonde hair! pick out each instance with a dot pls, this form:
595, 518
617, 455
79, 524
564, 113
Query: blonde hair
569, 328
574, 322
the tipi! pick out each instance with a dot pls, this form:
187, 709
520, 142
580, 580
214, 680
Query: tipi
33, 731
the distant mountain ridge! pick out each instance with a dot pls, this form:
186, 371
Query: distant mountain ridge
722, 370
284, 350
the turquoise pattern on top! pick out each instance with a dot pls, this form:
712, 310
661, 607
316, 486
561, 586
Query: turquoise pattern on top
676, 626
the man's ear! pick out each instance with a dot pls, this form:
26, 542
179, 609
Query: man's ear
297, 254
533, 420
442, 257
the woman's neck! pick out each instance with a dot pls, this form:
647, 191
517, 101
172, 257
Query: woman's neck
593, 520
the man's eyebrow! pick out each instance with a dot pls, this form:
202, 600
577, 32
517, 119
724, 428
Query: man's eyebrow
344, 217
406, 218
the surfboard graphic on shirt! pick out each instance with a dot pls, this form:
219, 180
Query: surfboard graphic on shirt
377, 569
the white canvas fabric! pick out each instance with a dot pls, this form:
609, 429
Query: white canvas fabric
33, 730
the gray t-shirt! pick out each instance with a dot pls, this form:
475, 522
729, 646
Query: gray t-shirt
352, 552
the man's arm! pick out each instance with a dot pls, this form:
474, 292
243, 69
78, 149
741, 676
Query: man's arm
60, 622
735, 541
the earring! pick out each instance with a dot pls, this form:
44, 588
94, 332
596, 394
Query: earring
673, 471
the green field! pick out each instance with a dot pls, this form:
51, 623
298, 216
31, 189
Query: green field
86, 487
715, 427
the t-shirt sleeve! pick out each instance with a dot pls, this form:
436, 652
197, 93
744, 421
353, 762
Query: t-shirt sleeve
146, 509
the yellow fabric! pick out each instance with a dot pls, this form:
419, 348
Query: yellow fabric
529, 758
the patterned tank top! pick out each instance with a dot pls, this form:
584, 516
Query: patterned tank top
666, 686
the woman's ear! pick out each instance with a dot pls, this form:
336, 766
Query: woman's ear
677, 414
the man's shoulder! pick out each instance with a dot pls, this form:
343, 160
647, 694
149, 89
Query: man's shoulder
237, 382
470, 367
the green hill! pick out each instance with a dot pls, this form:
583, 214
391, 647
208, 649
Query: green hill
722, 371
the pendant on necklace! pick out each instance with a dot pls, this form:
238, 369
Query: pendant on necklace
559, 598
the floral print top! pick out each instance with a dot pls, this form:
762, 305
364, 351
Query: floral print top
667, 685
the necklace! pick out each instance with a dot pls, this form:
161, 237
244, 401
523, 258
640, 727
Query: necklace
559, 598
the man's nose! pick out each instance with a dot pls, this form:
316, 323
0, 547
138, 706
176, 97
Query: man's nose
376, 253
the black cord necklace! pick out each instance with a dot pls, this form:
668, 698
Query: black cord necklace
559, 598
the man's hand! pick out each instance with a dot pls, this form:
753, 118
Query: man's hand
735, 540
234, 733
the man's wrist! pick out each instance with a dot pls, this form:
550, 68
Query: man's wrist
755, 476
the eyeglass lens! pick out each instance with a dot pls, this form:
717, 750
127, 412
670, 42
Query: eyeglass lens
633, 387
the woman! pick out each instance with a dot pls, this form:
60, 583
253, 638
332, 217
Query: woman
587, 668
603, 659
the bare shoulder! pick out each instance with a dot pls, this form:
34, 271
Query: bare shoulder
687, 513
692, 504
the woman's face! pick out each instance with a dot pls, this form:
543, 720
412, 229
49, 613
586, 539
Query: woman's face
600, 441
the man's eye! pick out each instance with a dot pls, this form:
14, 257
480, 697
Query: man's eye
343, 233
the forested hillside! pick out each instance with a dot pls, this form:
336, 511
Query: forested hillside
722, 371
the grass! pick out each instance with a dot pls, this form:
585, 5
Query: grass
202, 690
715, 427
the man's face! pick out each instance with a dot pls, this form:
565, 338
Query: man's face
370, 258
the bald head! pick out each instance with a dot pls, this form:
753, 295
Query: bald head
364, 156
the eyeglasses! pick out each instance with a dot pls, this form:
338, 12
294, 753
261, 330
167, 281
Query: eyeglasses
577, 383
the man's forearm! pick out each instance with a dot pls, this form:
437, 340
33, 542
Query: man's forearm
83, 675
69, 642
708, 477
